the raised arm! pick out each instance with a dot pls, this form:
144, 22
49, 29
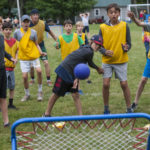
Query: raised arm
136, 20
53, 35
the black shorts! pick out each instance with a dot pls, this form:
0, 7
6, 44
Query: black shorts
61, 87
86, 28
3, 83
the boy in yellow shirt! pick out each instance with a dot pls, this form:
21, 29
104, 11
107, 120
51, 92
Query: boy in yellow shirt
116, 42
69, 41
11, 47
29, 53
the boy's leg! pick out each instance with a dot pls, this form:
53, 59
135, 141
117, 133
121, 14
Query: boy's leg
140, 89
47, 71
25, 68
11, 87
26, 86
106, 86
146, 75
11, 97
108, 70
88, 32
51, 103
77, 102
126, 92
3, 104
32, 75
39, 78
46, 65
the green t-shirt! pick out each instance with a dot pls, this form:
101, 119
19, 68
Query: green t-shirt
68, 39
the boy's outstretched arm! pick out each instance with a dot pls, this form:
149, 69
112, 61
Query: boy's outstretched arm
136, 20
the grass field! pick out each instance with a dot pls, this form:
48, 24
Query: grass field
92, 102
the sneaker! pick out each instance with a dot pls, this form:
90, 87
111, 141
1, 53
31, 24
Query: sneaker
129, 110
49, 83
89, 81
40, 96
25, 98
11, 107
7, 125
32, 82
67, 93
134, 106
106, 112
80, 92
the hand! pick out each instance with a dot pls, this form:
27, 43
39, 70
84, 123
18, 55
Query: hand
125, 47
57, 45
109, 53
75, 83
131, 14
100, 70
14, 61
43, 54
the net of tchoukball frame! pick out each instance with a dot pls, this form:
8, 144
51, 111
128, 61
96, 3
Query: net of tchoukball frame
56, 29
92, 132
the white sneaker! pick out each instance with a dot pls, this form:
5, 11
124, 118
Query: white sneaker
25, 98
40, 96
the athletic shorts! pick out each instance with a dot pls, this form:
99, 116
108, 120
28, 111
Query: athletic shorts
10, 80
61, 87
3, 83
120, 71
86, 28
146, 72
43, 50
26, 65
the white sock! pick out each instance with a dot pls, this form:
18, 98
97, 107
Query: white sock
40, 88
27, 92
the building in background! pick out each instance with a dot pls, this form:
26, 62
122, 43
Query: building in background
99, 14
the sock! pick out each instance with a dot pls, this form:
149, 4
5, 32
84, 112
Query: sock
27, 92
40, 88
11, 101
48, 78
106, 108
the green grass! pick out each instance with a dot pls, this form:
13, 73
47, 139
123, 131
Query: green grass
92, 101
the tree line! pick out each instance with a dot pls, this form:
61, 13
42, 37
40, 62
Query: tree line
55, 9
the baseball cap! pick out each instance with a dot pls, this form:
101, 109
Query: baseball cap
34, 11
25, 17
97, 39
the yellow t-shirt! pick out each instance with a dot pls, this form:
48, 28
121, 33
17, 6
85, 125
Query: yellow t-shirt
113, 37
39, 28
12, 50
67, 48
83, 37
27, 48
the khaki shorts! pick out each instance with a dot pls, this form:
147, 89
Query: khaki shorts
120, 71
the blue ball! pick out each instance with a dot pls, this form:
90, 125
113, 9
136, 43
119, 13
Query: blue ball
81, 71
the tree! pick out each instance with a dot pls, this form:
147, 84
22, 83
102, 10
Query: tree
55, 9
6, 6
60, 9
